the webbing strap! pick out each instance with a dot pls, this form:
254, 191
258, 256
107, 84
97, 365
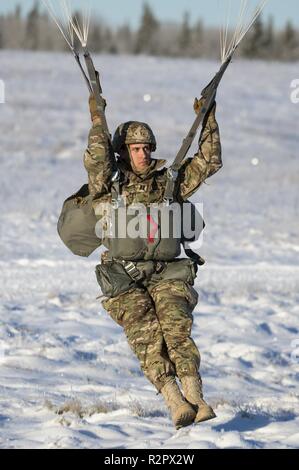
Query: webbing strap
132, 271
194, 256
77, 57
172, 173
115, 190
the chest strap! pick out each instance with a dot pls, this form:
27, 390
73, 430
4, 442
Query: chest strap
115, 190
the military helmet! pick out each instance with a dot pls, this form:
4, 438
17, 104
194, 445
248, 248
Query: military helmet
133, 132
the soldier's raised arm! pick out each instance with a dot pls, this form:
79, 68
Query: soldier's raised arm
206, 162
97, 157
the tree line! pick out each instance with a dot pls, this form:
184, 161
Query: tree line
36, 31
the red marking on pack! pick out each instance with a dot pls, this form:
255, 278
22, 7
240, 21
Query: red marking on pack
155, 227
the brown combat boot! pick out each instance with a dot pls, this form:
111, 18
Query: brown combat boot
192, 388
182, 412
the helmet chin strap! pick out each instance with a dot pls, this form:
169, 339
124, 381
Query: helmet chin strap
125, 155
131, 159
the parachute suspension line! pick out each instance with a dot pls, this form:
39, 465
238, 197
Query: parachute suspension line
244, 23
79, 25
64, 22
68, 37
238, 30
69, 23
82, 31
66, 7
257, 13
224, 32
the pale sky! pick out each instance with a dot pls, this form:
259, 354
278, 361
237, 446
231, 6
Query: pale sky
117, 12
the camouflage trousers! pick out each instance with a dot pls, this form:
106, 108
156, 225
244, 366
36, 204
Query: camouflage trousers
157, 321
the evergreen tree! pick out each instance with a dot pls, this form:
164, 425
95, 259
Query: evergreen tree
96, 38
1, 32
145, 41
37, 31
290, 37
290, 43
109, 44
124, 39
18, 12
269, 39
17, 25
185, 35
253, 46
197, 39
32, 28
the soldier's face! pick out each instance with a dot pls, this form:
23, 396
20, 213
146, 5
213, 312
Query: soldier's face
140, 155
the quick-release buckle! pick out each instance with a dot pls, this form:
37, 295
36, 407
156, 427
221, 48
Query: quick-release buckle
132, 271
172, 174
116, 203
167, 201
159, 267
115, 176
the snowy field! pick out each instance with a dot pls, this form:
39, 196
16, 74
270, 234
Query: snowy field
67, 377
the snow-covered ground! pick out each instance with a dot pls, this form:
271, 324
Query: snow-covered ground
67, 376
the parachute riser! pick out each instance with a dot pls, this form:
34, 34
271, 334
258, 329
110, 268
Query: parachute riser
94, 78
77, 58
96, 89
214, 84
209, 94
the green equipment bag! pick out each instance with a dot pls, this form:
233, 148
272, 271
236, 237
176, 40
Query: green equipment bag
179, 269
76, 224
113, 279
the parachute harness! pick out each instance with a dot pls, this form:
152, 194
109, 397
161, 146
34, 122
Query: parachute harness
69, 26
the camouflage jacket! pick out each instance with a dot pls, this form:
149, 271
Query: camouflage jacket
149, 187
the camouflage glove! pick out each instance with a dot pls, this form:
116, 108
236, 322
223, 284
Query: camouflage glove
209, 140
199, 103
94, 113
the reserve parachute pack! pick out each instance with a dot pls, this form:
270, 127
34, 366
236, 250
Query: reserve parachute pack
77, 227
76, 224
